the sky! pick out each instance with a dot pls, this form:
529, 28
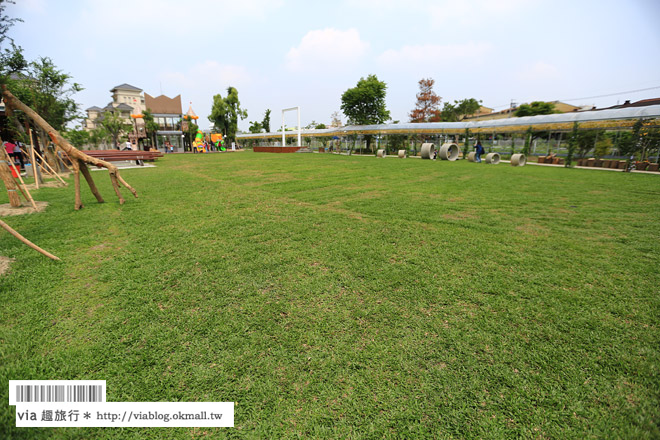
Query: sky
280, 53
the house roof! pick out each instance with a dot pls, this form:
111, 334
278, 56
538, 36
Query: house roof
163, 104
123, 106
126, 87
641, 103
94, 109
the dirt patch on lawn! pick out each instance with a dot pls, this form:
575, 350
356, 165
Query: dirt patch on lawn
7, 210
5, 262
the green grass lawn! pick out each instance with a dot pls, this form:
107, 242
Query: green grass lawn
348, 297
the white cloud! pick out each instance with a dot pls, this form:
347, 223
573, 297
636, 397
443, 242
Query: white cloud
539, 72
326, 49
432, 56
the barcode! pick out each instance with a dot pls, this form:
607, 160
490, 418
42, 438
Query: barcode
59, 393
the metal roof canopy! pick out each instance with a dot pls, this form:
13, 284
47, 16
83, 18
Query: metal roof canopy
558, 122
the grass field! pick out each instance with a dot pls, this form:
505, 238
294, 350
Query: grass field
348, 297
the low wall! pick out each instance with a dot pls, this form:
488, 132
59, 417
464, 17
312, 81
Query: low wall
276, 149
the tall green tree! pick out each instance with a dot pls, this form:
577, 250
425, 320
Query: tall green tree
265, 124
226, 112
459, 109
535, 108
255, 127
115, 125
150, 126
364, 104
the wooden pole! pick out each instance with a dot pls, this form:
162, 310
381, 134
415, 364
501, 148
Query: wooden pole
10, 184
12, 102
9, 229
34, 162
52, 171
76, 182
22, 186
90, 182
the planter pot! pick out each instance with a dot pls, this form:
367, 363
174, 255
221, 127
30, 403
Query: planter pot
591, 162
381, 153
540, 159
641, 165
653, 167
598, 163
402, 154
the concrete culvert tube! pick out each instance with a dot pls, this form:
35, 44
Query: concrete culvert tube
449, 151
427, 151
493, 158
472, 156
402, 154
381, 153
518, 160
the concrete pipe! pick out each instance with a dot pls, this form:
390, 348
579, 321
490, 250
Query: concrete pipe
427, 151
472, 156
518, 160
402, 154
448, 151
381, 153
493, 158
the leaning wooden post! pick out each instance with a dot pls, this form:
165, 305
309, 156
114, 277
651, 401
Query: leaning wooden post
10, 184
12, 102
76, 183
9, 229
90, 182
52, 171
22, 187
35, 171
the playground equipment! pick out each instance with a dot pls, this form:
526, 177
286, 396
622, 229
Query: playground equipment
427, 151
518, 160
402, 154
448, 151
381, 153
198, 143
493, 158
472, 156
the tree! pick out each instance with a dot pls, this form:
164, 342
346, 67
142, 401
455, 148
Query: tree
115, 125
427, 105
265, 124
150, 126
335, 119
255, 127
535, 108
459, 109
320, 126
225, 113
77, 137
586, 140
364, 104
98, 136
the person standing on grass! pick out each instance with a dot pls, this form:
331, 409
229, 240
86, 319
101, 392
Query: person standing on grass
479, 151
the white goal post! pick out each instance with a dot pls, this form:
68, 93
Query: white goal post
297, 109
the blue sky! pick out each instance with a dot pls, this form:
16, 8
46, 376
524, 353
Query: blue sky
281, 53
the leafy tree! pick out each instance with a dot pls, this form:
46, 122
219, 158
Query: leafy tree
225, 113
320, 126
255, 127
5, 21
364, 104
192, 131
98, 136
529, 135
115, 125
427, 105
266, 121
603, 146
150, 126
459, 109
77, 137
535, 108
586, 140
646, 138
